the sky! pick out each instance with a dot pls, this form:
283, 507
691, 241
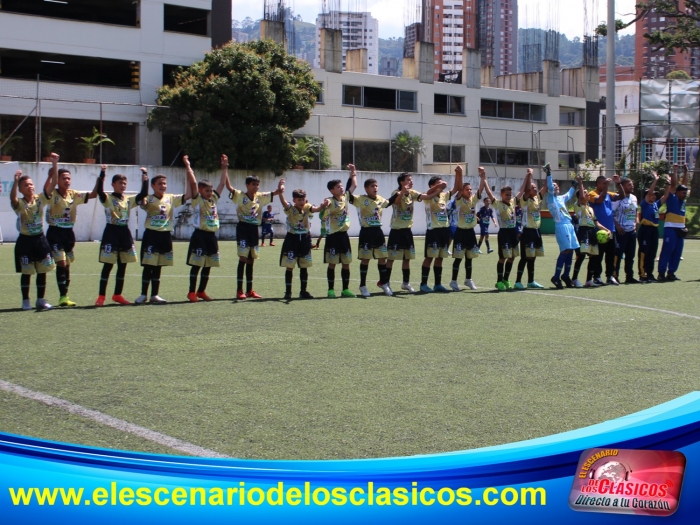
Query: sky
390, 13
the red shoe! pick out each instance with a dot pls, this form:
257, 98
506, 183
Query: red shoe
203, 296
240, 295
100, 300
192, 297
253, 295
379, 283
272, 244
120, 299
262, 245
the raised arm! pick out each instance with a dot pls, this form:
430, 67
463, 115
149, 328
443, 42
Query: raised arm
100, 185
144, 186
285, 204
14, 201
280, 188
485, 184
437, 188
686, 175
459, 181
650, 191
621, 193
52, 179
527, 182
96, 190
601, 197
352, 185
224, 174
191, 179
323, 206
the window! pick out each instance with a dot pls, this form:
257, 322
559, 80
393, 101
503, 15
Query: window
185, 20
512, 110
572, 117
118, 12
319, 99
510, 157
448, 105
352, 95
441, 153
505, 109
379, 98
569, 159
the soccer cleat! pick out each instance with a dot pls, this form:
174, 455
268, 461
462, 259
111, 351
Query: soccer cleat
157, 299
272, 244
253, 295
305, 295
203, 296
287, 296
501, 286
331, 294
672, 277
509, 285
662, 278
612, 280
567, 281
469, 283
589, 284
43, 304
651, 279
557, 283
598, 282
489, 251
119, 299
408, 287
535, 285
64, 301
100, 300
631, 280
577, 283
364, 292
519, 286
439, 288
387, 289
425, 288
26, 305
347, 293
454, 286
240, 295
479, 252
141, 299
192, 297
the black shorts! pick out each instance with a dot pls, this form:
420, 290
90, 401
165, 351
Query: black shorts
587, 235
118, 238
203, 245
530, 238
466, 238
437, 239
247, 234
371, 238
507, 242
295, 246
156, 242
31, 249
337, 245
401, 239
61, 239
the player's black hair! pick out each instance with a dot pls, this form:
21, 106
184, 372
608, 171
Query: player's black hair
22, 179
506, 188
62, 171
434, 180
486, 199
118, 177
204, 183
600, 178
402, 178
333, 183
250, 179
157, 178
369, 182
299, 194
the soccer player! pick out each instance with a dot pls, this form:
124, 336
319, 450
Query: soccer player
32, 250
157, 243
626, 221
437, 237
674, 226
588, 226
296, 248
400, 244
249, 203
507, 234
337, 247
485, 216
601, 201
117, 245
563, 230
465, 245
648, 236
203, 252
530, 238
267, 219
60, 215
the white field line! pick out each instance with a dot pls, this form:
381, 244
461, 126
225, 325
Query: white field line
613, 303
104, 419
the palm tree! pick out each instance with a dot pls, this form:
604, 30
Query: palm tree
405, 150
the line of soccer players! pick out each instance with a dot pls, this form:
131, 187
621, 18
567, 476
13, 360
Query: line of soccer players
601, 217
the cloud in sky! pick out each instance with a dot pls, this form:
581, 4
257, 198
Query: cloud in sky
390, 13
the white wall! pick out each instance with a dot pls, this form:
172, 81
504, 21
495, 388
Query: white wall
91, 220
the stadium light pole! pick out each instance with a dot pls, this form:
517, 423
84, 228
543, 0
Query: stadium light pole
610, 94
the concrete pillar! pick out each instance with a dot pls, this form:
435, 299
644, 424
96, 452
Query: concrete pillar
356, 61
425, 62
274, 31
551, 78
488, 76
332, 50
408, 69
471, 69
591, 83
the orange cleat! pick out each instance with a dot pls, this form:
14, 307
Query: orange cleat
253, 295
120, 299
203, 296
192, 297
272, 244
100, 300
240, 295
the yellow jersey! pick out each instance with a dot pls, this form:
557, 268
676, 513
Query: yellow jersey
29, 216
369, 211
298, 221
402, 210
531, 212
117, 209
436, 211
337, 219
249, 209
61, 211
465, 212
506, 213
585, 215
159, 212
204, 214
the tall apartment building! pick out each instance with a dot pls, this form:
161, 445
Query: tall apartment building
389, 66
491, 25
654, 64
70, 65
360, 31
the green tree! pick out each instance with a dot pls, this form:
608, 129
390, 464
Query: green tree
405, 151
678, 75
244, 100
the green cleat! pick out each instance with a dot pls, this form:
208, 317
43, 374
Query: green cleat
347, 293
501, 286
64, 301
331, 294
509, 285
519, 286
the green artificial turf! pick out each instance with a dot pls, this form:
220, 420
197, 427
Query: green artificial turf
344, 378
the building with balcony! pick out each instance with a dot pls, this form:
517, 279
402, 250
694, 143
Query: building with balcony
360, 31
